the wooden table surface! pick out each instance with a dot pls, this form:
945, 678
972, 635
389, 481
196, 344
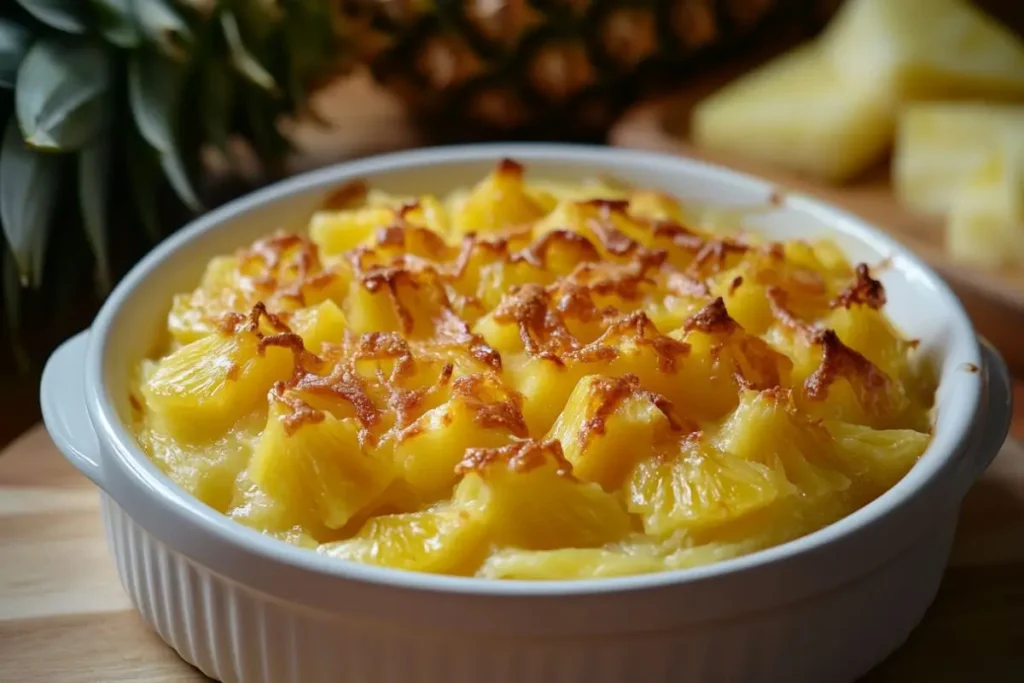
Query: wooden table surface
65, 619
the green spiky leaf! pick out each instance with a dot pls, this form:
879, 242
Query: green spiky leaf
69, 16
242, 59
14, 43
93, 197
164, 27
29, 186
60, 103
142, 178
217, 102
154, 84
117, 22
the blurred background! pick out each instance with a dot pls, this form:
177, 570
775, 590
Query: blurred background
125, 121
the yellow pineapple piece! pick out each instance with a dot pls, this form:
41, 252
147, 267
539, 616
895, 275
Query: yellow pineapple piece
479, 415
767, 428
797, 113
442, 540
941, 145
318, 469
528, 499
195, 314
335, 232
499, 202
607, 424
876, 459
319, 325
200, 390
545, 387
701, 487
986, 224
569, 563
656, 206
924, 49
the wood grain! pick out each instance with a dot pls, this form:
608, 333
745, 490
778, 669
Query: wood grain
64, 617
994, 298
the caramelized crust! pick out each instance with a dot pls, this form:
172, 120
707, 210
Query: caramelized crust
519, 457
863, 291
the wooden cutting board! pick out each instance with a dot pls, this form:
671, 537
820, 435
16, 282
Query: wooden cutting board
65, 619
994, 299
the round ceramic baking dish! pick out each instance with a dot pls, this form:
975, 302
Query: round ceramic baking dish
244, 607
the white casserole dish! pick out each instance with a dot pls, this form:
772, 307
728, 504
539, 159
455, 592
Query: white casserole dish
244, 607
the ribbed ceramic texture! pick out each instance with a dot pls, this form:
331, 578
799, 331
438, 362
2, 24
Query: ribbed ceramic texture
234, 634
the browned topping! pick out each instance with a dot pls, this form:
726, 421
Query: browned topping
712, 319
519, 457
348, 196
713, 256
510, 168
608, 393
299, 412
777, 300
839, 360
537, 253
495, 406
680, 236
682, 284
735, 284
406, 402
864, 291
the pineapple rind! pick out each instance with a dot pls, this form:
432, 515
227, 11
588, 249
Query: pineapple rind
594, 385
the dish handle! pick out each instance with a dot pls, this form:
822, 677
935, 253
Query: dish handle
62, 396
998, 407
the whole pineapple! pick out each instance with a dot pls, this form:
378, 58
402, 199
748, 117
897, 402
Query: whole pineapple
551, 67
110, 104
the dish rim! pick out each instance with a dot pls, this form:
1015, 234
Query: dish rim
163, 492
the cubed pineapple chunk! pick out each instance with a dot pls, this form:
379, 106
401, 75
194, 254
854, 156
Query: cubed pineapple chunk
529, 499
200, 390
570, 563
767, 428
940, 145
986, 225
797, 114
545, 387
318, 469
701, 487
501, 201
924, 49
442, 540
876, 459
606, 425
335, 232
477, 416
319, 325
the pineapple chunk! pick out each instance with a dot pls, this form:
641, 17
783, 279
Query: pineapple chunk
796, 113
569, 563
319, 471
986, 225
319, 325
529, 499
924, 49
428, 450
606, 425
501, 201
444, 540
876, 459
701, 487
766, 428
335, 232
940, 145
203, 388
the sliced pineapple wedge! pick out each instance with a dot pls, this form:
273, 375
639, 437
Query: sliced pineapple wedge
571, 563
940, 144
197, 392
876, 459
499, 202
798, 114
443, 540
986, 225
924, 49
701, 487
606, 425
318, 469
529, 499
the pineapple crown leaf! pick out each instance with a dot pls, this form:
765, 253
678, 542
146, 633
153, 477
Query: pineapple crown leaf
116, 22
165, 28
242, 59
63, 108
29, 185
93, 196
67, 16
14, 43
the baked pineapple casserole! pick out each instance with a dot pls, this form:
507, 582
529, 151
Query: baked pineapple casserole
532, 381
